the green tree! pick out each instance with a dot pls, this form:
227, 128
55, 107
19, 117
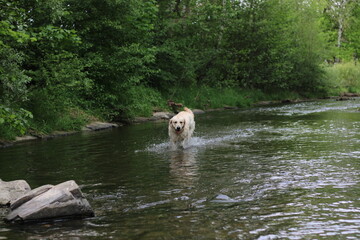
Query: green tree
117, 45
13, 80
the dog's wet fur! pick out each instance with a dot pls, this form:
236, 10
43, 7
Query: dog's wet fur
181, 128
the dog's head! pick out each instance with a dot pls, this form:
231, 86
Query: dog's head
177, 123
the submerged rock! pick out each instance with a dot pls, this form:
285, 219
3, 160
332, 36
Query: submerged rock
221, 198
9, 191
64, 200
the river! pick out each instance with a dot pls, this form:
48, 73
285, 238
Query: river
277, 172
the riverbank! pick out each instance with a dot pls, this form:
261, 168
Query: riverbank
248, 99
94, 126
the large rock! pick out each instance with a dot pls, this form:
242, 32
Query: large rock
96, 126
49, 202
162, 115
198, 111
9, 191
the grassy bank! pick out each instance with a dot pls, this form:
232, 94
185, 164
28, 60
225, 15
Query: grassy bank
207, 97
141, 101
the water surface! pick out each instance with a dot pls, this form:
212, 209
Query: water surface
278, 172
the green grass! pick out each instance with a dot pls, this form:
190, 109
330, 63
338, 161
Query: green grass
342, 77
71, 119
141, 101
207, 97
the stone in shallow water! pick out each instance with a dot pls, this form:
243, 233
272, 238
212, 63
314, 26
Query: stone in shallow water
221, 198
9, 191
64, 200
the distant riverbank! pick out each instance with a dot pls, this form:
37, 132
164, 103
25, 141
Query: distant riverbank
160, 116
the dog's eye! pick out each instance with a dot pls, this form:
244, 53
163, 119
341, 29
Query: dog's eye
175, 122
181, 122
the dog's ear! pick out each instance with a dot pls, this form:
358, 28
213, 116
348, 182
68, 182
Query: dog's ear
184, 122
170, 122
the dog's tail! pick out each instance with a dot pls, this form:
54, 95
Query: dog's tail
188, 110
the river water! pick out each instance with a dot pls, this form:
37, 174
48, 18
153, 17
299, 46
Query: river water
276, 172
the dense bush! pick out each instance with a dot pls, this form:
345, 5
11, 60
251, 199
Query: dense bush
343, 77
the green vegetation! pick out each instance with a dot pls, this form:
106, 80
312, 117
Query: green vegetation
66, 62
343, 77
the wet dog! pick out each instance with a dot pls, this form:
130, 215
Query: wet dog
181, 128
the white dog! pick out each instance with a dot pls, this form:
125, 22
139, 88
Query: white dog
181, 128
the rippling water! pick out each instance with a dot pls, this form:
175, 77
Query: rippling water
279, 172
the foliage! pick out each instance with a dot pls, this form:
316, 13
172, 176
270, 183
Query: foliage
141, 101
120, 59
343, 77
13, 122
211, 97
13, 80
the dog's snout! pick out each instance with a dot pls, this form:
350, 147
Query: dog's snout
178, 128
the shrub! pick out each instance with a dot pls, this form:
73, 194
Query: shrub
139, 101
343, 77
13, 122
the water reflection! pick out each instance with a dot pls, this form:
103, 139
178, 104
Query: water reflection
184, 167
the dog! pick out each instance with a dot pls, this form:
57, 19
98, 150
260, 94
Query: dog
181, 128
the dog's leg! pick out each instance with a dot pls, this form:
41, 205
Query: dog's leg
186, 142
191, 129
174, 146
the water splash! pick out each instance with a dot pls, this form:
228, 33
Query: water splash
221, 139
311, 108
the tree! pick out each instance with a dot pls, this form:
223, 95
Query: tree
341, 20
13, 80
117, 39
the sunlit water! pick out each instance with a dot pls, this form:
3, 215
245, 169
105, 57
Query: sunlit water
278, 172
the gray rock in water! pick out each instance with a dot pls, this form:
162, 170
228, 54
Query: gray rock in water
96, 126
28, 196
162, 115
198, 111
64, 200
221, 198
9, 191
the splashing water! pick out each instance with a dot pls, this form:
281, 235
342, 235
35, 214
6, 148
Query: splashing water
223, 138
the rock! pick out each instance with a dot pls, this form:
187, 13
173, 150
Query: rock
9, 191
95, 126
350, 94
58, 134
198, 111
163, 115
25, 138
221, 198
29, 195
344, 99
64, 200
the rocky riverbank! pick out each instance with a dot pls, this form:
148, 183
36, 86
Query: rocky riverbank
94, 126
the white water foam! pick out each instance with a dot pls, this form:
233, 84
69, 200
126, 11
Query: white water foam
201, 142
311, 107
